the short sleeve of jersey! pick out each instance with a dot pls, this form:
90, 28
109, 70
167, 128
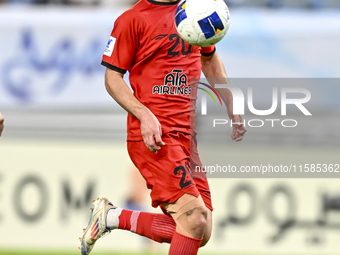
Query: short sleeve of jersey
122, 45
208, 51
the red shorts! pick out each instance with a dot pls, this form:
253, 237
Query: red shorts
171, 172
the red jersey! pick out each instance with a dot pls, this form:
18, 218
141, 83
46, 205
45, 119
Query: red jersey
145, 42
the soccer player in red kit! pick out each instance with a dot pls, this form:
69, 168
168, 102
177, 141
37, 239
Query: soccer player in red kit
161, 138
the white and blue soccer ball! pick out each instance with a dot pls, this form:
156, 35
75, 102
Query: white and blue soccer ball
202, 22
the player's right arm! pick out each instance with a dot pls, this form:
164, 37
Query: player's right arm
118, 58
150, 127
2, 119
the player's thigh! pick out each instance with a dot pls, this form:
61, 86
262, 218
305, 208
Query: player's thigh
167, 173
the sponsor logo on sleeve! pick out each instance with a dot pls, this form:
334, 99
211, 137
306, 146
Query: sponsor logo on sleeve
110, 46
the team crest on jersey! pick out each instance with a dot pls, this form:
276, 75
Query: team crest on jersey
175, 83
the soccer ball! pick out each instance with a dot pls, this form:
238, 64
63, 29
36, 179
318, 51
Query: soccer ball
202, 22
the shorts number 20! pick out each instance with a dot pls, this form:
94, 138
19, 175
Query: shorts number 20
184, 171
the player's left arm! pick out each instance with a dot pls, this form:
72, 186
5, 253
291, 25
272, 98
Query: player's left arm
214, 71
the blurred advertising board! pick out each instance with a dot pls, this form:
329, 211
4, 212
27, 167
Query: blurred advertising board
50, 57
47, 187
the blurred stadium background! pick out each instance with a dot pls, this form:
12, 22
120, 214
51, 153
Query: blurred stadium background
64, 140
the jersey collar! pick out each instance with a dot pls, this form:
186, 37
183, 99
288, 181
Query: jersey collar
163, 3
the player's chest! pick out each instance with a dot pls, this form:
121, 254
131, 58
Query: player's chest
160, 36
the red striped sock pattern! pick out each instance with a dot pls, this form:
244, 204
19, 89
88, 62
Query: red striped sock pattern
163, 228
184, 245
156, 226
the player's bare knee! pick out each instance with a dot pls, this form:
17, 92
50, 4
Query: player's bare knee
190, 215
198, 221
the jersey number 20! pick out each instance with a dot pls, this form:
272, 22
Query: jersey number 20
178, 40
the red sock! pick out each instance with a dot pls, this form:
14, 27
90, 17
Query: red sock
156, 226
184, 245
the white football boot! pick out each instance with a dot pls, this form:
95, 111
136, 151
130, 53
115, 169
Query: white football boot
97, 226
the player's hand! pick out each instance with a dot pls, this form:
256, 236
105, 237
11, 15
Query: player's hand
151, 131
239, 129
1, 123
